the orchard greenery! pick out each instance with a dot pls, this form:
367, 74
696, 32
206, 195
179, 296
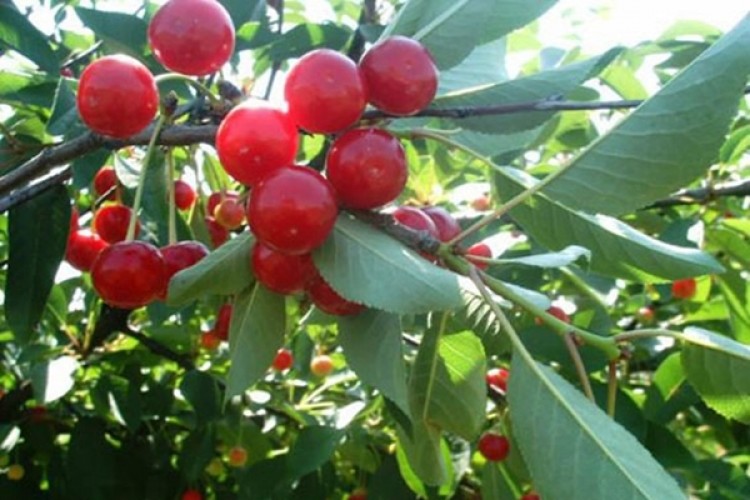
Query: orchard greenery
247, 255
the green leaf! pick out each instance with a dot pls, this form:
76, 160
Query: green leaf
367, 266
451, 29
202, 392
616, 248
255, 334
305, 37
90, 463
555, 424
197, 451
669, 392
38, 235
484, 65
718, 368
17, 33
225, 271
447, 388
120, 32
52, 380
372, 345
494, 484
668, 141
314, 447
64, 120
420, 458
564, 257
19, 90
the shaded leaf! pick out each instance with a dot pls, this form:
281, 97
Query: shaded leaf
65, 120
52, 380
203, 394
17, 33
669, 392
121, 32
314, 447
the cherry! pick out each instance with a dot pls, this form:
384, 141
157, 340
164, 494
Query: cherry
193, 37
229, 213
38, 414
415, 219
479, 250
557, 313
104, 180
481, 204
358, 494
129, 275
325, 92
280, 272
179, 256
292, 210
73, 227
498, 378
66, 73
447, 226
215, 467
219, 234
217, 197
684, 288
493, 447
223, 319
111, 222
16, 472
532, 495
237, 456
400, 74
254, 140
210, 341
191, 494
329, 301
367, 168
83, 249
184, 194
117, 96
283, 360
321, 365
645, 314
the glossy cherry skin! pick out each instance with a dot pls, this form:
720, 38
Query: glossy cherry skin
531, 496
192, 37
218, 233
283, 361
184, 195
180, 256
325, 92
192, 494
557, 313
83, 249
280, 272
329, 301
493, 447
209, 340
321, 365
230, 213
117, 96
684, 288
415, 219
400, 75
111, 222
104, 180
223, 319
129, 275
254, 140
367, 168
293, 210
217, 197
447, 226
498, 378
479, 250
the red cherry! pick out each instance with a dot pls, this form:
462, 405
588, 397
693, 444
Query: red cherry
66, 72
219, 234
184, 194
229, 213
104, 180
111, 222
223, 320
117, 96
479, 250
482, 203
129, 275
292, 210
646, 314
367, 168
498, 377
237, 456
557, 313
684, 288
415, 219
325, 92
447, 226
83, 249
192, 494
358, 494
329, 301
193, 37
493, 447
215, 198
73, 221
280, 272
254, 140
531, 496
321, 365
210, 341
179, 256
400, 74
284, 360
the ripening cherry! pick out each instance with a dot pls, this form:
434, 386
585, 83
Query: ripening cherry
117, 96
479, 250
111, 222
104, 180
83, 249
217, 197
179, 256
281, 273
184, 194
415, 219
400, 75
498, 378
292, 210
532, 495
481, 204
493, 447
210, 341
557, 312
218, 233
237, 456
321, 365
229, 213
325, 92
358, 494
255, 139
191, 494
646, 314
16, 472
684, 289
283, 360
223, 320
329, 301
192, 37
129, 274
447, 226
367, 168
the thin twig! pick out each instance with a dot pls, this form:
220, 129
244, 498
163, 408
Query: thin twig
159, 349
575, 354
612, 388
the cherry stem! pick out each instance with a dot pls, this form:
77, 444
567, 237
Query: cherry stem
612, 388
575, 355
142, 178
645, 334
199, 87
172, 203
